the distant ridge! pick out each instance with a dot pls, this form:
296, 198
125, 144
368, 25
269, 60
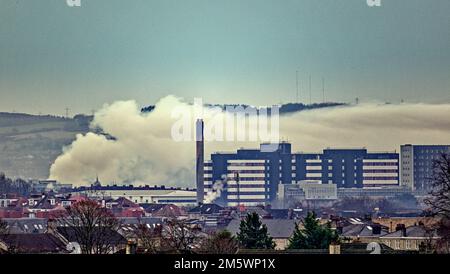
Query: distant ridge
284, 108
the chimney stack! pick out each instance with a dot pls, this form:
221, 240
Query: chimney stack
199, 160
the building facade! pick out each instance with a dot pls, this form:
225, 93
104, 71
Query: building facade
142, 195
348, 168
417, 164
249, 177
252, 176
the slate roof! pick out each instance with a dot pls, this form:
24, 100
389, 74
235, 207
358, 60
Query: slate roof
45, 203
206, 209
34, 243
26, 225
279, 213
362, 230
144, 220
164, 210
114, 237
277, 228
256, 209
150, 208
413, 232
125, 203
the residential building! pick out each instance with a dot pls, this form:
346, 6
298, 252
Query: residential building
33, 243
279, 229
409, 238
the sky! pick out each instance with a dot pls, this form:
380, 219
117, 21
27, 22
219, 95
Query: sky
236, 51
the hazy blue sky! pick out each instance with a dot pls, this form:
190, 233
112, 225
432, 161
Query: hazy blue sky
246, 51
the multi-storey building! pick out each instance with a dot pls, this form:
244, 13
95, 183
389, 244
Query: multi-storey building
417, 164
348, 168
252, 176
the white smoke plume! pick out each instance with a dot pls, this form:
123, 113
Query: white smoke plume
215, 191
143, 151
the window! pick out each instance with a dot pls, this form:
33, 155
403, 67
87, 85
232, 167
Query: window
408, 244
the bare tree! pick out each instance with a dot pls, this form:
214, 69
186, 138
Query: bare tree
222, 242
180, 236
93, 227
149, 239
439, 202
3, 227
440, 181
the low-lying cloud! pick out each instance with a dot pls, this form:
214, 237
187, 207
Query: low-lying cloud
143, 151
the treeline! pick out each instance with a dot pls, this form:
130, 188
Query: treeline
284, 108
17, 186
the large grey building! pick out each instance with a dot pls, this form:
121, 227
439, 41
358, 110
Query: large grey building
417, 164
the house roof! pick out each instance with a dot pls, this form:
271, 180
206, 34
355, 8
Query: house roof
256, 209
277, 228
206, 209
34, 243
164, 210
124, 202
150, 208
113, 237
279, 213
413, 232
362, 230
143, 220
26, 225
45, 201
132, 224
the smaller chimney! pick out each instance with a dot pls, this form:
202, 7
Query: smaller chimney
376, 229
402, 228
51, 226
131, 248
334, 249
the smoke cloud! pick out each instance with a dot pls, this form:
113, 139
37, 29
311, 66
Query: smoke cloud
143, 151
215, 191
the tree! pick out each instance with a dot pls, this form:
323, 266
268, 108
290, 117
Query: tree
3, 227
439, 202
18, 186
440, 182
313, 235
253, 234
148, 239
222, 242
93, 227
180, 236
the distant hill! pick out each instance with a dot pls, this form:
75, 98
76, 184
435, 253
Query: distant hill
30, 143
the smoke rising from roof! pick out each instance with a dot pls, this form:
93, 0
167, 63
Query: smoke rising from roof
143, 152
